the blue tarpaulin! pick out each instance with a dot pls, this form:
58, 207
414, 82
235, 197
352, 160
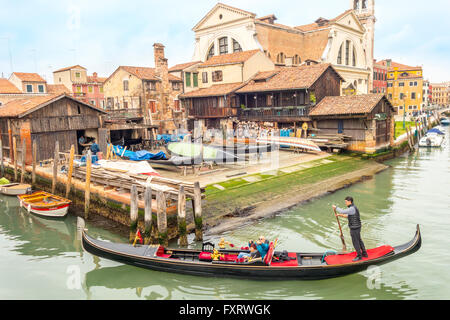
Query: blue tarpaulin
434, 130
170, 137
139, 155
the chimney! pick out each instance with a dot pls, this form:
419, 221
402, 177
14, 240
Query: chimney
270, 19
389, 62
94, 75
162, 72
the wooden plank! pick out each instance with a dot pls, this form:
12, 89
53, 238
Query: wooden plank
24, 156
69, 173
87, 188
55, 167
15, 157
33, 173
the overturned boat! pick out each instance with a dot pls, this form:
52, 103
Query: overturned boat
225, 263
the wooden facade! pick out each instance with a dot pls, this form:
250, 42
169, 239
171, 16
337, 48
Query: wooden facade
61, 120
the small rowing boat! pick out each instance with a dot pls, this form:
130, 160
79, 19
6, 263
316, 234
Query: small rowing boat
45, 204
225, 263
15, 189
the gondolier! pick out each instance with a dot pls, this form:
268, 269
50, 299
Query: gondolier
354, 222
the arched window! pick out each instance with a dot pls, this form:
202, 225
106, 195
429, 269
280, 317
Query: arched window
364, 4
297, 59
236, 46
280, 58
339, 58
356, 4
347, 52
211, 52
354, 57
223, 45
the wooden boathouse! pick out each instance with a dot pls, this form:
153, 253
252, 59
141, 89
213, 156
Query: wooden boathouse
47, 119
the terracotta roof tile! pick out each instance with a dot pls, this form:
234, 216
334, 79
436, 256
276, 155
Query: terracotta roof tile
69, 68
29, 77
399, 66
147, 73
230, 58
347, 105
7, 87
57, 89
182, 66
287, 78
17, 108
214, 91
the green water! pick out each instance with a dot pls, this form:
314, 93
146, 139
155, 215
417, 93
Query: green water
42, 259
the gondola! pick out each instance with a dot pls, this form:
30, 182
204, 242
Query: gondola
223, 263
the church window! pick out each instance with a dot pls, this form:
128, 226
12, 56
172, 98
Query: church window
297, 59
356, 4
347, 52
236, 46
364, 4
210, 52
339, 58
280, 58
354, 57
223, 45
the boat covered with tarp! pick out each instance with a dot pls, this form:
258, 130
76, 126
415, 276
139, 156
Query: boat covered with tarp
217, 262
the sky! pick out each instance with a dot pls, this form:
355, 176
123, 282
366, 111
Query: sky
45, 35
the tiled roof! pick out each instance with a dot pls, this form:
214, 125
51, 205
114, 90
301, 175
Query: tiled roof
7, 87
399, 66
324, 23
287, 78
29, 77
57, 89
182, 66
69, 68
21, 107
92, 79
147, 73
230, 58
347, 105
214, 91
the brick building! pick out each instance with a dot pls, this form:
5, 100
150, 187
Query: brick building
379, 78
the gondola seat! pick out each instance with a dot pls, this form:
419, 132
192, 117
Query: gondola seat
205, 256
161, 252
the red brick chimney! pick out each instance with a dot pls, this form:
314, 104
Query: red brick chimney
95, 75
162, 72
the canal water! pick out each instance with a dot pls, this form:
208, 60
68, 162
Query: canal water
42, 259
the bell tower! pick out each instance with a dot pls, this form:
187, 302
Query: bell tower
365, 11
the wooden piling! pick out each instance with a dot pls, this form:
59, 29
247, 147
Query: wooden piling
70, 170
197, 204
33, 172
24, 157
148, 215
134, 209
87, 188
14, 152
182, 217
2, 168
162, 218
55, 167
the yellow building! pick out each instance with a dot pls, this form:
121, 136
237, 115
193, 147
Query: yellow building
404, 87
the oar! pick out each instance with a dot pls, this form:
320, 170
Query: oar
344, 247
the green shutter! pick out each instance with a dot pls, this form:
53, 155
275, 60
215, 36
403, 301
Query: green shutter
195, 79
188, 79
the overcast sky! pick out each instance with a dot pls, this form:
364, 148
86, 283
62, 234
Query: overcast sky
44, 35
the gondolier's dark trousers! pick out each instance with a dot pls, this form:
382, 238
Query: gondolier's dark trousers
358, 244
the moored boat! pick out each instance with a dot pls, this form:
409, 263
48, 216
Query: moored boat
433, 139
445, 122
15, 189
224, 263
45, 204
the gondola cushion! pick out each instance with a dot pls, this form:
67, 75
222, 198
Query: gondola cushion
348, 258
205, 256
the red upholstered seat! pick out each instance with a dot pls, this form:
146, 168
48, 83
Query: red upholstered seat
292, 263
205, 256
347, 258
229, 258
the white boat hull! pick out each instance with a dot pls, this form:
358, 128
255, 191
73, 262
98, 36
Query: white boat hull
15, 191
56, 212
435, 141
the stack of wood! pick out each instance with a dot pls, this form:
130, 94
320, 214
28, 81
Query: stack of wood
331, 141
122, 180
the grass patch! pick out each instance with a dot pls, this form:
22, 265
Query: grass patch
399, 127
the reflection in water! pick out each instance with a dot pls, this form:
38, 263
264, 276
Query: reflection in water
413, 191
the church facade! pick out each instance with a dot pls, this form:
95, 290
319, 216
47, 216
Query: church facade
345, 41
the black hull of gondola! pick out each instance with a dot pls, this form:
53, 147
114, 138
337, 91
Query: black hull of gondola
127, 254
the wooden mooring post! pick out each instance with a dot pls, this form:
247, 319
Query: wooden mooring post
87, 188
70, 170
162, 218
33, 172
1, 158
148, 215
24, 157
197, 205
182, 230
14, 152
55, 167
134, 210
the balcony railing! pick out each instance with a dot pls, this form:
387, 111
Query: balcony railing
273, 114
212, 112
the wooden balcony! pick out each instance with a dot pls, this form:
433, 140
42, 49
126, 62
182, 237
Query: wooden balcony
278, 114
205, 112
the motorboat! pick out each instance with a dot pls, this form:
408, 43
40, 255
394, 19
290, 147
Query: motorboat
434, 138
